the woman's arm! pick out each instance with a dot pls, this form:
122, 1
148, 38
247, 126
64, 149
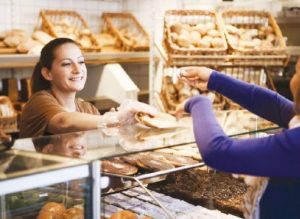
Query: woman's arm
261, 101
76, 121
276, 155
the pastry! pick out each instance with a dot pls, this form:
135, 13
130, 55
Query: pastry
117, 166
154, 162
41, 36
178, 160
124, 214
73, 213
52, 210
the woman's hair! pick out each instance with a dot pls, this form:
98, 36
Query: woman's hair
38, 82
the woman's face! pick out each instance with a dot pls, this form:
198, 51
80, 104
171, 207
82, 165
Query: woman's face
295, 81
68, 71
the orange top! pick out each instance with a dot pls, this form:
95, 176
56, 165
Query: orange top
41, 107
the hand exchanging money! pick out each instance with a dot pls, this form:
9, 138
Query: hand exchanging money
196, 76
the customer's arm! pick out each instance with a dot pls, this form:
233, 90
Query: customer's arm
276, 155
261, 101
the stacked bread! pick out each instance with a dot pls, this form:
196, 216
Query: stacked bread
256, 37
192, 36
17, 40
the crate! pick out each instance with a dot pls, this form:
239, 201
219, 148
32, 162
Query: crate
173, 92
8, 116
257, 32
129, 32
61, 23
190, 20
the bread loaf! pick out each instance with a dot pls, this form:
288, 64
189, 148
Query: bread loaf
41, 36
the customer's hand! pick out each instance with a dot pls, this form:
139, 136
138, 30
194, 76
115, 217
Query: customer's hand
179, 111
196, 76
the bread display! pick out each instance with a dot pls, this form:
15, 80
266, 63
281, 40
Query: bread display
70, 24
252, 32
193, 32
129, 33
175, 91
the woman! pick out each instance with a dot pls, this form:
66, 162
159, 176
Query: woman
277, 157
53, 107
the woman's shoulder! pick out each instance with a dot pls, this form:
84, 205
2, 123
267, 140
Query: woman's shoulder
86, 107
41, 94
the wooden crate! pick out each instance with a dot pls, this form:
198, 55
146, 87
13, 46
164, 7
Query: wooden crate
129, 32
191, 19
247, 23
60, 23
8, 115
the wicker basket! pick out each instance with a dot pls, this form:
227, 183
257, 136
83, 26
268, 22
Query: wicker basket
192, 18
247, 20
129, 32
74, 25
8, 116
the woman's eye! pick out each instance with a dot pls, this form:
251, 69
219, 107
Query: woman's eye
66, 64
81, 62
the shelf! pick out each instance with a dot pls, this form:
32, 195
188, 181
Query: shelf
28, 61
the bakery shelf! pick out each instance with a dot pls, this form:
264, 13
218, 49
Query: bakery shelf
95, 58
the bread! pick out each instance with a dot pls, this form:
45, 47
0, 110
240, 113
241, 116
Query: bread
125, 214
117, 166
160, 120
25, 46
73, 213
41, 36
154, 162
52, 210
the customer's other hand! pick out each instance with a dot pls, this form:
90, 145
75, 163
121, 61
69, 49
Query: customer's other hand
179, 111
196, 76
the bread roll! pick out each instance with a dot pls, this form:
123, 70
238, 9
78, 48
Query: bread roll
25, 46
213, 33
195, 36
53, 209
41, 36
217, 42
15, 40
231, 29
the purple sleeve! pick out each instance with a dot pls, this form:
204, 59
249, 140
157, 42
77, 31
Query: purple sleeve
262, 102
276, 155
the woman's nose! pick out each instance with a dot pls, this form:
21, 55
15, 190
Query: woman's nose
76, 68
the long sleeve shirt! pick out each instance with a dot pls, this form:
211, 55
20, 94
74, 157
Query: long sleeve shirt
273, 156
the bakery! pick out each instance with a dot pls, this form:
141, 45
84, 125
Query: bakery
119, 109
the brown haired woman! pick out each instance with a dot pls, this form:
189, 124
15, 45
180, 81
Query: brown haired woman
53, 108
276, 158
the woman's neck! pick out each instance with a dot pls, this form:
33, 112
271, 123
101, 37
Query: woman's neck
67, 100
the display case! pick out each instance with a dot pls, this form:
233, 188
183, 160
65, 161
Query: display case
28, 181
124, 187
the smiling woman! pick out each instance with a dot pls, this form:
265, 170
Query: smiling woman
53, 108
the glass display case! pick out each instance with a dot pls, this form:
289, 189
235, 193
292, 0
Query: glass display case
126, 156
28, 181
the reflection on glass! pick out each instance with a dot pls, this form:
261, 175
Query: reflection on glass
70, 145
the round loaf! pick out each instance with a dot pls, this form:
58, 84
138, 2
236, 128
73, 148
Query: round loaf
74, 213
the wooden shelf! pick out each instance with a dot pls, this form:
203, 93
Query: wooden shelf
29, 61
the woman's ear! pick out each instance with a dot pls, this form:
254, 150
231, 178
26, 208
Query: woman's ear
46, 74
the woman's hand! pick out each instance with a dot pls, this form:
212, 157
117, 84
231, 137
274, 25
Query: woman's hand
128, 109
196, 76
109, 119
